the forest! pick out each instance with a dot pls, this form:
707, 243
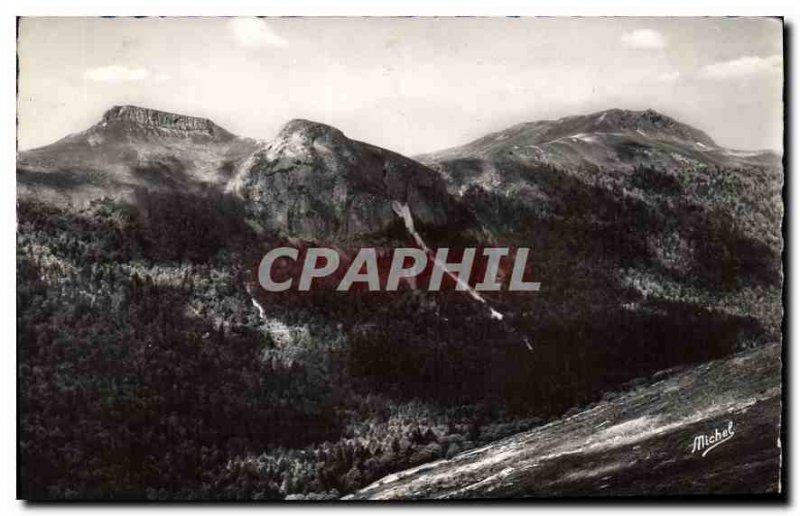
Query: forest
150, 367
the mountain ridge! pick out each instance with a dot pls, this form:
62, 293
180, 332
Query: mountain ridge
619, 133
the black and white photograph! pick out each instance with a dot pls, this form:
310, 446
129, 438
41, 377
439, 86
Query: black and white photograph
381, 258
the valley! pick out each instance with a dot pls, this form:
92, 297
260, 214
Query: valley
659, 314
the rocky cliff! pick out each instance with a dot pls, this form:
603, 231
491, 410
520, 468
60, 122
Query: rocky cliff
313, 182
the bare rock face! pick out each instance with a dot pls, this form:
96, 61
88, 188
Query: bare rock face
313, 182
162, 123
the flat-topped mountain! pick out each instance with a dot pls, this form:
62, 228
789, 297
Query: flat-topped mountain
133, 148
134, 124
162, 120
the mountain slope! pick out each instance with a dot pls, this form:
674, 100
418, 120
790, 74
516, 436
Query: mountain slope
311, 181
616, 138
644, 264
633, 202
133, 148
642, 155
635, 443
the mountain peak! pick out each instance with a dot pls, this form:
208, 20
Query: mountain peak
647, 121
313, 182
164, 120
613, 138
309, 130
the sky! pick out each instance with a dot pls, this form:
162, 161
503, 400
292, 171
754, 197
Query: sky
413, 85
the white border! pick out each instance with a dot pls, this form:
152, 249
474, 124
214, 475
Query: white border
10, 9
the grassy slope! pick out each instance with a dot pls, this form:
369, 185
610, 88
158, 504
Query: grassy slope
637, 443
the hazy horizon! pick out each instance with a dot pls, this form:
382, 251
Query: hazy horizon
413, 85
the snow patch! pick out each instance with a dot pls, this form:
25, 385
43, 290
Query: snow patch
741, 153
260, 308
94, 139
584, 137
404, 212
281, 333
680, 158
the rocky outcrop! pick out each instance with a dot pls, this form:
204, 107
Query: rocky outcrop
313, 182
162, 121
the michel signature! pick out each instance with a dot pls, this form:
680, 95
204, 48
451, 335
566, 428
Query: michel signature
704, 443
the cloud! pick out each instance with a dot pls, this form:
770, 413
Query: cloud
254, 32
116, 73
672, 76
644, 38
742, 67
